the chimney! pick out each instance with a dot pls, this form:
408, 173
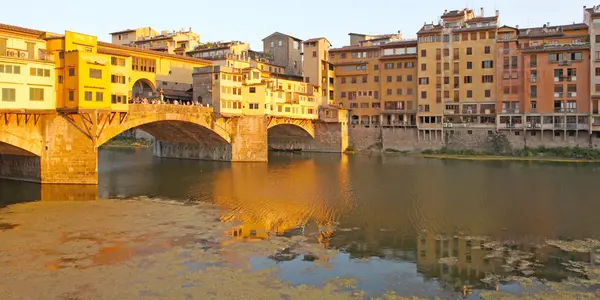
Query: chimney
548, 24
497, 13
482, 15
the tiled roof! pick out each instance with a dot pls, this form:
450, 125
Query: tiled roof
400, 43
550, 30
482, 19
140, 50
283, 34
454, 13
353, 48
112, 52
123, 31
315, 40
21, 29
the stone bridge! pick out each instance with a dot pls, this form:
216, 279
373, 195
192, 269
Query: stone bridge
61, 147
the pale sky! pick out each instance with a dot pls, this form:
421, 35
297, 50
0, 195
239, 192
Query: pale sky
251, 21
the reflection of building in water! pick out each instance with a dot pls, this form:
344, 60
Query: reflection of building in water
469, 267
277, 198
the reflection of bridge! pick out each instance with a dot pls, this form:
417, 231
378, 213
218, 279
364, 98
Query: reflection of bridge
61, 146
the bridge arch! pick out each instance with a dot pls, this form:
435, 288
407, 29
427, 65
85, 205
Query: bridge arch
291, 135
17, 144
173, 123
143, 88
292, 126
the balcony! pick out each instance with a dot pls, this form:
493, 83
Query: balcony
571, 78
558, 94
23, 54
572, 94
559, 110
564, 63
510, 111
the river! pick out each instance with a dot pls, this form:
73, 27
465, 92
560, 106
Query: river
393, 224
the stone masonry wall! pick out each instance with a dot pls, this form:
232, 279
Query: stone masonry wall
362, 138
205, 150
249, 139
20, 167
69, 156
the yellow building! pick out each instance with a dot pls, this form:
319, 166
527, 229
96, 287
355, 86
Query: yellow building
97, 75
234, 87
27, 78
456, 81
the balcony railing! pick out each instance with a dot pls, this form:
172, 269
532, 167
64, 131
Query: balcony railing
26, 55
564, 63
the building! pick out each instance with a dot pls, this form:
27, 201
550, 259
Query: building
377, 83
27, 75
456, 72
220, 50
172, 42
359, 39
318, 71
236, 88
285, 50
592, 19
554, 57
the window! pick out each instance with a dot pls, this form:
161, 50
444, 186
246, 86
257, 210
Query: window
143, 64
487, 78
424, 80
487, 64
388, 92
375, 67
487, 50
60, 79
314, 54
399, 92
469, 65
99, 96
423, 67
469, 51
423, 94
255, 106
409, 65
96, 73
71, 72
469, 94
88, 96
597, 71
9, 95
468, 79
423, 53
488, 93
272, 44
71, 95
280, 43
533, 60
473, 36
389, 66
252, 90
61, 55
343, 95
36, 94
376, 79
389, 79
409, 91
37, 72
409, 78
533, 93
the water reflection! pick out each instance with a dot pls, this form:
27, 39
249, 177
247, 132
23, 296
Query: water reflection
424, 223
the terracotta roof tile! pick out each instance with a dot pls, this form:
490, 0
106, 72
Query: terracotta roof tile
140, 50
21, 29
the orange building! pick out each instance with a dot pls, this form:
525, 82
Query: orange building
377, 83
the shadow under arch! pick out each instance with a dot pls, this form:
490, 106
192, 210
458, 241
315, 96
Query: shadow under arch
142, 88
182, 139
289, 137
19, 164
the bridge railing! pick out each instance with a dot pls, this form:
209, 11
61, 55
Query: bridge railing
169, 108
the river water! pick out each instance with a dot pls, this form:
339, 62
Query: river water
413, 226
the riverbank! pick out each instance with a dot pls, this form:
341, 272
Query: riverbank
128, 143
562, 155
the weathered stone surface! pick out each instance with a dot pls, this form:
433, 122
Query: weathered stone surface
205, 150
20, 167
249, 139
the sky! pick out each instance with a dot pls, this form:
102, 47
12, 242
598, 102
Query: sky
251, 21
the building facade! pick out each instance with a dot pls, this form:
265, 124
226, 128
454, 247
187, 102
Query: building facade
285, 50
172, 42
27, 74
377, 83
